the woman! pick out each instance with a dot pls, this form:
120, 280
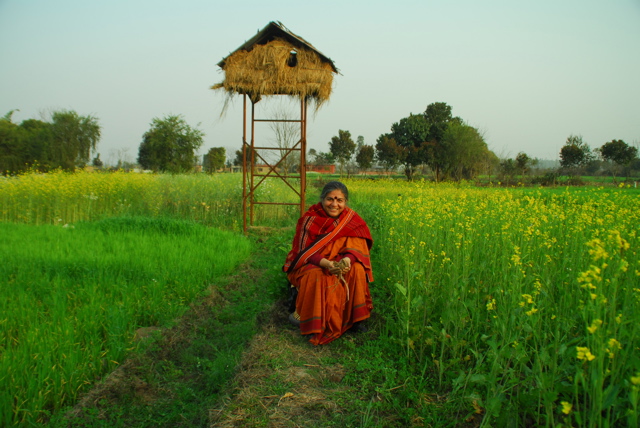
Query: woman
329, 265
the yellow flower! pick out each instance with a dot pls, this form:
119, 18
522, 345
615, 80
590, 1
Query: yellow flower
624, 265
597, 250
566, 407
584, 354
532, 311
636, 379
613, 343
594, 326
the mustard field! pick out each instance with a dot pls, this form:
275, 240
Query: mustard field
525, 303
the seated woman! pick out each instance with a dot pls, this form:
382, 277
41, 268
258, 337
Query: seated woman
329, 265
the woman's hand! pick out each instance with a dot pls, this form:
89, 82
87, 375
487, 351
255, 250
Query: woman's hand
346, 263
332, 267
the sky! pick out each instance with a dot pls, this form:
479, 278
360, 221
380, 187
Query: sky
527, 74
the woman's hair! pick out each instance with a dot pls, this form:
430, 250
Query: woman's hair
334, 185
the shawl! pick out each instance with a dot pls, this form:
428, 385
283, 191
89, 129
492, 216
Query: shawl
315, 229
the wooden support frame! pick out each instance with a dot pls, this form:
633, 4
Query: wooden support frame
251, 181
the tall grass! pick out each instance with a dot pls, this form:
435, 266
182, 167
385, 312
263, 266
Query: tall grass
60, 198
522, 304
72, 297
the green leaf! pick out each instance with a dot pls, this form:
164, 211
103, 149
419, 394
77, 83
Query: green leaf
402, 289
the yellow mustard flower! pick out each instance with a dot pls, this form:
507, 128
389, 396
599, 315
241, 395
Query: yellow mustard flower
594, 326
566, 407
584, 353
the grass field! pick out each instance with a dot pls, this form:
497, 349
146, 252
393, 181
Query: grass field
514, 306
72, 298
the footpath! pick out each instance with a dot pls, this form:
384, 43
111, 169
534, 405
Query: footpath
233, 360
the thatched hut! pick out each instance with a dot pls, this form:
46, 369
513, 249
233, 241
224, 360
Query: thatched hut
277, 62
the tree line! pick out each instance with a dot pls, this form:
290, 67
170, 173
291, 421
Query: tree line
453, 150
434, 141
68, 140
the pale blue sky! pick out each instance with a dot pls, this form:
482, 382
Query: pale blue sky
526, 73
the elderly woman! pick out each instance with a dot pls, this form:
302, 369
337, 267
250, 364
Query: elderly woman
329, 265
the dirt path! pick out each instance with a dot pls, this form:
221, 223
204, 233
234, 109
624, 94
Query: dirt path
284, 381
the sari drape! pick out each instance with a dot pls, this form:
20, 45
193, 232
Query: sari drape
326, 305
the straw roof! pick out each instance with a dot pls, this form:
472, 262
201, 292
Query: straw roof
277, 62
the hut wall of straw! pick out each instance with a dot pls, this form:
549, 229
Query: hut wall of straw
265, 70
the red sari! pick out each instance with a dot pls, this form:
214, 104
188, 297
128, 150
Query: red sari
326, 305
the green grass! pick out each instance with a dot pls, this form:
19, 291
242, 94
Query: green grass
72, 298
185, 369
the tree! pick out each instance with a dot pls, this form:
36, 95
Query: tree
342, 147
410, 133
508, 169
214, 159
388, 153
237, 161
74, 138
490, 163
320, 158
11, 142
574, 154
286, 134
617, 152
462, 150
438, 115
38, 141
522, 163
97, 162
364, 157
169, 145
66, 142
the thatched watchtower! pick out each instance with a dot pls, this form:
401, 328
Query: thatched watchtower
275, 62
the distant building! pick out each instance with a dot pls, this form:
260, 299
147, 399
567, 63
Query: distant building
322, 169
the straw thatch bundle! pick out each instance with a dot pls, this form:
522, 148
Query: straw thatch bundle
278, 67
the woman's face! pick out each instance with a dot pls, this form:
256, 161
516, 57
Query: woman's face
334, 203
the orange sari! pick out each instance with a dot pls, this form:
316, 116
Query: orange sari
326, 305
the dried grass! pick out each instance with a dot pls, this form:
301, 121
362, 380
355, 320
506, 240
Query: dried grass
265, 71
280, 359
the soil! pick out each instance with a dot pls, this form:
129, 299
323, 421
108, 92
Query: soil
283, 381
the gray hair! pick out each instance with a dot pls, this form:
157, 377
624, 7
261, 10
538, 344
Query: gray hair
334, 185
